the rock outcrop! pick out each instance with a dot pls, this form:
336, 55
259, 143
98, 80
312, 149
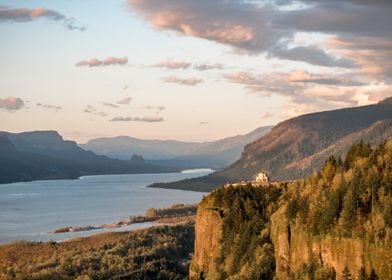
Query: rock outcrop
295, 247
208, 232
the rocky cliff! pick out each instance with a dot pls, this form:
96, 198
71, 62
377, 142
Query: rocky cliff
295, 249
209, 233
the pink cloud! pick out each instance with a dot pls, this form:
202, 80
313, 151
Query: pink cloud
182, 81
148, 119
11, 103
26, 15
106, 62
173, 64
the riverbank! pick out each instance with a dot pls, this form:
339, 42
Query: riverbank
174, 214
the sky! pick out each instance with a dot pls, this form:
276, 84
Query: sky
184, 69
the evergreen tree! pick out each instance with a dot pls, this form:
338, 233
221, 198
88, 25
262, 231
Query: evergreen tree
346, 274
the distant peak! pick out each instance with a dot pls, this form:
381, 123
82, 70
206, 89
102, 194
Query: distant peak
44, 133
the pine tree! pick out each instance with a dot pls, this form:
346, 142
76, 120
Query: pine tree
346, 274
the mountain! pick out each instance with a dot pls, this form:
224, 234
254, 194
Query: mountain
215, 154
295, 147
45, 155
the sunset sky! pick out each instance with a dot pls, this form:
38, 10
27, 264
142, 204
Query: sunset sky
187, 69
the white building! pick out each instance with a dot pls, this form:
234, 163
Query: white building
262, 177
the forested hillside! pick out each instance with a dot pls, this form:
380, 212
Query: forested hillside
336, 224
296, 147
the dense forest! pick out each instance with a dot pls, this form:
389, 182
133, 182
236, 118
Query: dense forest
347, 201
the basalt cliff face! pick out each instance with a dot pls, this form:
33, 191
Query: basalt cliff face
337, 224
209, 234
296, 248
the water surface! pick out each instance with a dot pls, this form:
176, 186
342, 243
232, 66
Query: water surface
31, 210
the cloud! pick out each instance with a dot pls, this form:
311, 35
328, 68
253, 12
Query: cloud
289, 84
11, 103
148, 119
173, 64
266, 115
265, 27
373, 55
302, 76
108, 104
379, 94
312, 55
240, 24
206, 66
125, 101
301, 87
93, 111
121, 119
106, 62
115, 60
26, 15
157, 108
183, 81
203, 123
50, 107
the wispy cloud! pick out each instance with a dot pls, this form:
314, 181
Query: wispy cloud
125, 101
207, 66
93, 111
302, 89
266, 115
148, 119
312, 55
11, 103
106, 62
26, 15
182, 81
156, 108
170, 64
49, 107
108, 104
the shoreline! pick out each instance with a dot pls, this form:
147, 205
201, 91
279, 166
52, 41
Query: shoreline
157, 215
154, 217
80, 177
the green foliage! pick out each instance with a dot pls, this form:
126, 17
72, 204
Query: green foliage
245, 238
345, 197
156, 253
346, 274
314, 271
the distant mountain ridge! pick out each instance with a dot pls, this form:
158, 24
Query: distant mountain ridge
295, 147
45, 155
214, 154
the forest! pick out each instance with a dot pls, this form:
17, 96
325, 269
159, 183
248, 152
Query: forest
156, 253
348, 201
